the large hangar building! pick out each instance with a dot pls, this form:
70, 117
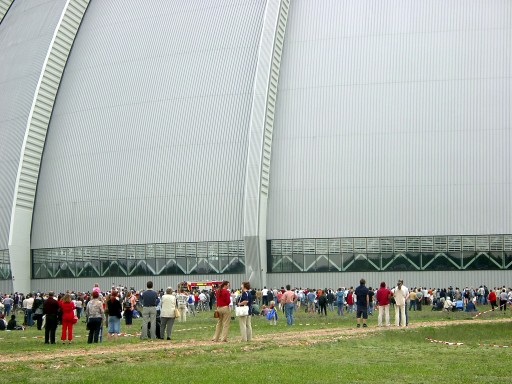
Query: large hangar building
310, 142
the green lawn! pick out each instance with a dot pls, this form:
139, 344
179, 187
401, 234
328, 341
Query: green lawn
280, 354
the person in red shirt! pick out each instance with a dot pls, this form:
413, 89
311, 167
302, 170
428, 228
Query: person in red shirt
223, 298
382, 297
492, 299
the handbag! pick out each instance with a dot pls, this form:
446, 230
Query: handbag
242, 311
177, 312
216, 314
75, 319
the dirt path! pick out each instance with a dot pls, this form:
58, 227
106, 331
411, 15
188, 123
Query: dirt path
306, 337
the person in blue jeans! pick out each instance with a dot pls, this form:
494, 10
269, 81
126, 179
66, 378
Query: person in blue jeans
289, 298
339, 300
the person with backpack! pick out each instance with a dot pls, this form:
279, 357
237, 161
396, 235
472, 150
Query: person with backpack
191, 301
128, 306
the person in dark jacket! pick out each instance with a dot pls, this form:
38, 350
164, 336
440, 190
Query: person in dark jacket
51, 311
37, 310
114, 316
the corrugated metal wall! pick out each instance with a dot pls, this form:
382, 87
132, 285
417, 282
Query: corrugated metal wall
148, 138
431, 279
25, 34
393, 118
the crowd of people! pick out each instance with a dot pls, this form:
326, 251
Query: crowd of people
160, 309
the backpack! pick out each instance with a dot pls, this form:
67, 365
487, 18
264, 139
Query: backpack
127, 304
272, 314
190, 300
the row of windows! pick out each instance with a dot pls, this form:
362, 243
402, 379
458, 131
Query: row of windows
426, 244
371, 262
148, 267
5, 266
139, 260
141, 251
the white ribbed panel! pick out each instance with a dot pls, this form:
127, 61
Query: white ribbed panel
260, 137
25, 34
35, 136
137, 282
428, 279
148, 138
393, 118
44, 100
4, 7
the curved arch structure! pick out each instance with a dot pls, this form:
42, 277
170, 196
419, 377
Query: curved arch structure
260, 139
4, 8
35, 136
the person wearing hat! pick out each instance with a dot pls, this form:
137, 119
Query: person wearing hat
400, 293
51, 311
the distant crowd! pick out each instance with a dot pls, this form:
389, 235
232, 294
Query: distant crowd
159, 309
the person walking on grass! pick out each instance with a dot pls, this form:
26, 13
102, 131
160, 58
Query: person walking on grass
363, 302
223, 298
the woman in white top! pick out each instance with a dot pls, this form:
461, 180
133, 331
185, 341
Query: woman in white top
168, 306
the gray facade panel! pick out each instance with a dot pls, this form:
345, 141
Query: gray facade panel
393, 122
139, 282
434, 279
25, 33
148, 138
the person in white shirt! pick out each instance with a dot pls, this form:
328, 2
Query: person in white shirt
264, 296
400, 294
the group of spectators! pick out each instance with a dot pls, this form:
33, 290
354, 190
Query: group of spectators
160, 309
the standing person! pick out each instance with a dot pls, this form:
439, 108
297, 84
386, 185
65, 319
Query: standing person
322, 302
149, 298
67, 309
114, 316
349, 299
245, 299
191, 303
8, 302
258, 297
371, 294
492, 299
412, 300
339, 301
223, 298
182, 305
503, 300
50, 310
168, 305
264, 296
129, 305
383, 295
37, 310
289, 298
363, 302
311, 297
400, 296
95, 315
79, 304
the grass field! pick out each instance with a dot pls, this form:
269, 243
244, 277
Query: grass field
314, 350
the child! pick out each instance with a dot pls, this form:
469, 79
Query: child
272, 314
